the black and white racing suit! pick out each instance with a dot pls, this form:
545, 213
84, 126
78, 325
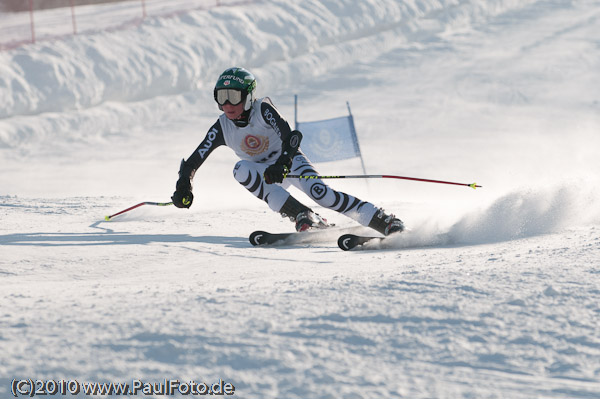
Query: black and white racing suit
258, 145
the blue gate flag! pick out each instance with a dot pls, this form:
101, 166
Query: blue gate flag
329, 140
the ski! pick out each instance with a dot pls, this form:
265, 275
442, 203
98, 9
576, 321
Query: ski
350, 241
260, 238
265, 238
346, 241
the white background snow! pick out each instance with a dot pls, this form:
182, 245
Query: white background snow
492, 293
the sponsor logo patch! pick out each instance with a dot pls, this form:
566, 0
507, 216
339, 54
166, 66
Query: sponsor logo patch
208, 143
295, 141
231, 77
270, 118
318, 191
255, 144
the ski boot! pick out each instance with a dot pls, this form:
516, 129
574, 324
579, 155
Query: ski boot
302, 215
309, 220
386, 224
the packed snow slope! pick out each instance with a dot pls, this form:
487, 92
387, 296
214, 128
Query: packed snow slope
491, 293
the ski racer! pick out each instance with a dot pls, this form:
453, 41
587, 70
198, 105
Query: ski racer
269, 149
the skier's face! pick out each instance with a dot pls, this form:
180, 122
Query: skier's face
233, 111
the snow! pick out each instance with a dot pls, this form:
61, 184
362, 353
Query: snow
492, 293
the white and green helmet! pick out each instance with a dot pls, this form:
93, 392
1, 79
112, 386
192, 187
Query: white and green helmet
234, 86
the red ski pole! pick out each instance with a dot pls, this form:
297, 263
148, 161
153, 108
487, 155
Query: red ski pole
107, 218
472, 185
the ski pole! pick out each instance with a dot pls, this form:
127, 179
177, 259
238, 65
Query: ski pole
472, 185
107, 218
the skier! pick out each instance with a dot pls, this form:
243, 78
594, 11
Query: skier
269, 150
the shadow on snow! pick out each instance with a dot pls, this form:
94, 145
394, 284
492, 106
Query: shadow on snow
109, 237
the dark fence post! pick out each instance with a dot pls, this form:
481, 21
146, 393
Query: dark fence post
73, 17
31, 19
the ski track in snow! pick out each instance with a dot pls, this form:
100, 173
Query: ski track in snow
491, 293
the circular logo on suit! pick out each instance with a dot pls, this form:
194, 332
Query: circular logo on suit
295, 141
254, 145
318, 190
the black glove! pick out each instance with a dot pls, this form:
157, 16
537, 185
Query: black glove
183, 197
277, 172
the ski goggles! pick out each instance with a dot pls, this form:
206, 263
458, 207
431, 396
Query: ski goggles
233, 96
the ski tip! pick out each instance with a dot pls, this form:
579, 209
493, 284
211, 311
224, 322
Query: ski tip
256, 238
347, 241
